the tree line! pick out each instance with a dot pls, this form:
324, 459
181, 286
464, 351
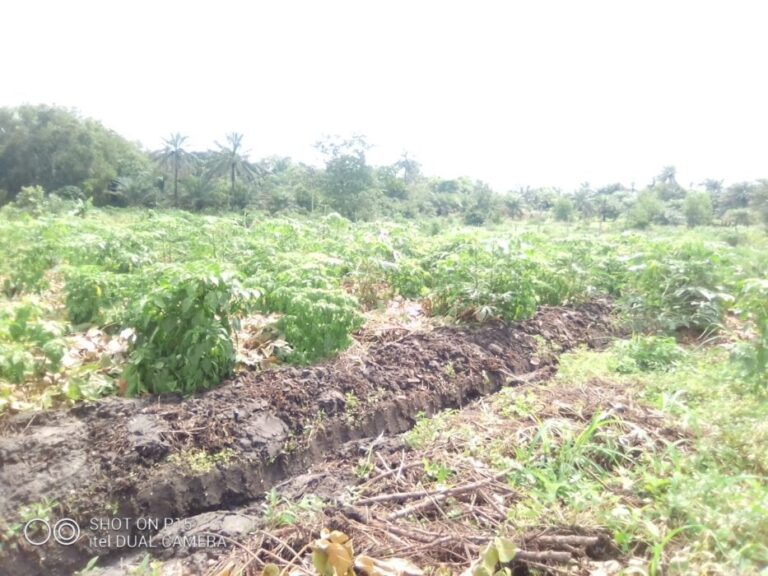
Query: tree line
53, 153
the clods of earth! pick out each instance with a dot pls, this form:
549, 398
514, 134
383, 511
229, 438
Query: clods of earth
148, 461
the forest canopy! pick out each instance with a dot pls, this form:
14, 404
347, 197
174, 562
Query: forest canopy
52, 152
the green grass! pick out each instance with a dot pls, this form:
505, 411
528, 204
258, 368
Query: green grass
668, 458
704, 500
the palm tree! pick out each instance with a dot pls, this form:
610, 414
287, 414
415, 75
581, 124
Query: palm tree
667, 175
175, 156
230, 160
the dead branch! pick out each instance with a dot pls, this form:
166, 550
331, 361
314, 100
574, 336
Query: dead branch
400, 496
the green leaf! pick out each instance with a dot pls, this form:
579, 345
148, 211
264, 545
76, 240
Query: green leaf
506, 549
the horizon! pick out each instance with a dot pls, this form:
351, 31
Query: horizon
551, 95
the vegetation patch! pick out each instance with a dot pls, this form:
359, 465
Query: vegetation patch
199, 461
654, 470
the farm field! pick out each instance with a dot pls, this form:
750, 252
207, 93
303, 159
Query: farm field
553, 398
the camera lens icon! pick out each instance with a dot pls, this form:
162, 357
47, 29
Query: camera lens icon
38, 531
66, 532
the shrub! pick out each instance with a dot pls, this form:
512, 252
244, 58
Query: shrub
27, 273
738, 217
183, 334
86, 290
682, 287
563, 209
70, 193
316, 322
697, 209
646, 354
483, 282
28, 345
31, 199
753, 354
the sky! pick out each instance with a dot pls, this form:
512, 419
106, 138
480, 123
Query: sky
544, 93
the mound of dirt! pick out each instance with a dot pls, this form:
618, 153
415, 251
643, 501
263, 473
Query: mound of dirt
161, 458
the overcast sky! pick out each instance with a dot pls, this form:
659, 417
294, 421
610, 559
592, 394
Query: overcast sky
539, 93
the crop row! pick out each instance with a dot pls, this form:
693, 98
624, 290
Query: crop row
180, 283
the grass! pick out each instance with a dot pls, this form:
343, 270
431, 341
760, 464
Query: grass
704, 500
662, 448
278, 511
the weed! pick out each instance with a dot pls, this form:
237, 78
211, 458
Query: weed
753, 355
278, 511
199, 461
147, 567
89, 568
351, 402
646, 354
41, 510
437, 471
365, 465
427, 430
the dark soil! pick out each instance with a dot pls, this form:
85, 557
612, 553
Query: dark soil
110, 459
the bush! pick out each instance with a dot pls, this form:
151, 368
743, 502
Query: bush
683, 287
738, 217
183, 334
316, 322
646, 210
646, 354
563, 209
28, 345
70, 193
86, 290
697, 209
31, 199
28, 270
753, 354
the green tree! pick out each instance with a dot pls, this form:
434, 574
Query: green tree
759, 201
513, 205
232, 162
610, 201
713, 186
483, 205
137, 190
347, 174
200, 193
176, 159
666, 185
540, 199
697, 209
737, 196
407, 168
584, 201
54, 147
648, 208
563, 209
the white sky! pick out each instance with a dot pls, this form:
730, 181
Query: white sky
511, 92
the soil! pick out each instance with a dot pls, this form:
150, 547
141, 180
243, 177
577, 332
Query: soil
169, 457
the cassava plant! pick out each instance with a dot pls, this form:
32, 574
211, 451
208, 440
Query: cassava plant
184, 334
